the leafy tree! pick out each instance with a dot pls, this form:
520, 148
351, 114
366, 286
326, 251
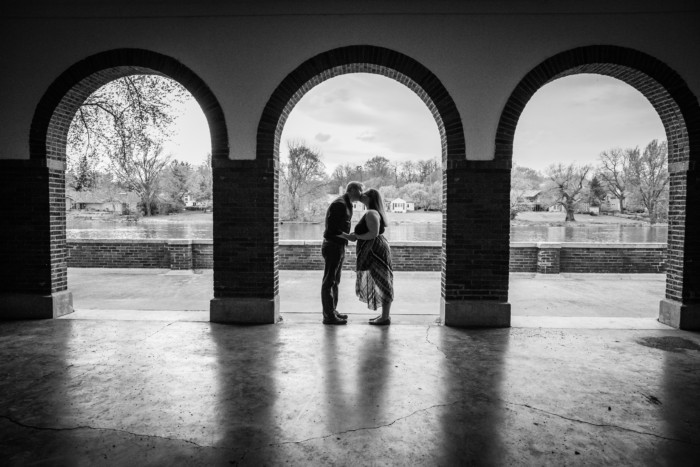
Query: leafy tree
568, 186
650, 176
428, 170
615, 172
83, 175
522, 180
596, 192
178, 181
302, 177
203, 183
378, 167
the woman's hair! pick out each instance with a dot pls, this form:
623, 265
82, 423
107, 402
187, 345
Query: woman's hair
377, 203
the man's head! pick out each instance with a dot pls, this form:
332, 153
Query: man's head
354, 190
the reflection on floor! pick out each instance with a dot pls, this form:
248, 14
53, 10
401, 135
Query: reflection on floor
89, 392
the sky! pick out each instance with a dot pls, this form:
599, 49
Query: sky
354, 117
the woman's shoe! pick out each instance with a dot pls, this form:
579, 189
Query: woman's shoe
380, 322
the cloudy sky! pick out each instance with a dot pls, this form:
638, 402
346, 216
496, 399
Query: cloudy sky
351, 118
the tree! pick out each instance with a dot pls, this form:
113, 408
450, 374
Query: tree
596, 192
522, 181
378, 167
139, 167
568, 186
178, 181
123, 125
203, 183
303, 176
650, 176
615, 172
84, 176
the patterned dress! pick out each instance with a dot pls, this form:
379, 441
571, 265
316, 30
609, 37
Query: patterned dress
375, 274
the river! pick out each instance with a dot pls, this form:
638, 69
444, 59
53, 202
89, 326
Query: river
198, 228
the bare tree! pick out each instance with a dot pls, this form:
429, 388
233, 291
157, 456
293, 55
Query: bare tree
615, 171
568, 186
139, 167
302, 176
650, 175
133, 110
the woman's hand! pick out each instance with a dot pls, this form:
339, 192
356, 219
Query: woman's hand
348, 236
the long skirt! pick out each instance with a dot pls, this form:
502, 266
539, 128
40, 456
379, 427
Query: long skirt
375, 274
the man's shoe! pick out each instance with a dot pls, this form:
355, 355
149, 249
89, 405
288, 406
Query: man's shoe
333, 320
340, 315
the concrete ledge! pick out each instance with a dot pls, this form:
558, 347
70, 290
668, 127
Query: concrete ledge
30, 306
680, 316
475, 313
244, 310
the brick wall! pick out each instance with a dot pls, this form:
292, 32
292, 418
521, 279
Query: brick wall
407, 256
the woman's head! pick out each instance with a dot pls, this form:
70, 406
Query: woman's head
373, 200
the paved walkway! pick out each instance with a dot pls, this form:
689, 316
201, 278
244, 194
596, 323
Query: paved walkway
563, 300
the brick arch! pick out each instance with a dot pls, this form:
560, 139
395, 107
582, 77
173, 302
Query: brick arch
679, 112
55, 111
351, 59
361, 59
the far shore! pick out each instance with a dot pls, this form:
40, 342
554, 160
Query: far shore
418, 217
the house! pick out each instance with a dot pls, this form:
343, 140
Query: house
94, 201
400, 205
531, 200
610, 204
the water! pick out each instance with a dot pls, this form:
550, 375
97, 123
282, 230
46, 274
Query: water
200, 227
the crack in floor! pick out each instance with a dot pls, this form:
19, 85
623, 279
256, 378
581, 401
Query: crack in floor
87, 427
600, 425
427, 331
159, 330
339, 433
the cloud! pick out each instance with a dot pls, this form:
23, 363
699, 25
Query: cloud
322, 137
366, 136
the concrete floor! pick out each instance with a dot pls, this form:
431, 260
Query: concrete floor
561, 300
132, 378
113, 392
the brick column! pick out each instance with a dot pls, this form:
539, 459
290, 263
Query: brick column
33, 273
246, 282
548, 258
180, 252
476, 234
681, 307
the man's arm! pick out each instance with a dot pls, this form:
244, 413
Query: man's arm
336, 218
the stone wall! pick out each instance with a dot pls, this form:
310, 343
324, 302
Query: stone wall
544, 258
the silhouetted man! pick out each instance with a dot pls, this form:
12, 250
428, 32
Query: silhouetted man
338, 217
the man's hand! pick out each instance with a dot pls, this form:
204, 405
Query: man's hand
348, 236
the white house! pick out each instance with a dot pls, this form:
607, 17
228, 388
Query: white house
400, 205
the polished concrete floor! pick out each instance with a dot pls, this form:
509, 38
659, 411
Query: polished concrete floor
113, 392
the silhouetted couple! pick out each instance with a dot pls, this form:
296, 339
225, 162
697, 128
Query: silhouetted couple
375, 276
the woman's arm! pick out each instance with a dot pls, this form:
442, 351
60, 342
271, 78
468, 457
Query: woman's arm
372, 225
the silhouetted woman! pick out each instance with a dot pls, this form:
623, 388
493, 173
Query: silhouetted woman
375, 275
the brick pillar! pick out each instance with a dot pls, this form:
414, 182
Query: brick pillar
33, 271
246, 281
548, 258
476, 234
681, 307
180, 252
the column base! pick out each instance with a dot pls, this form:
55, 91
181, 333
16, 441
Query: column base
475, 314
30, 306
678, 315
244, 310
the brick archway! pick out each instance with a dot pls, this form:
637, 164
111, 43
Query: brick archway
46, 273
253, 296
679, 112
